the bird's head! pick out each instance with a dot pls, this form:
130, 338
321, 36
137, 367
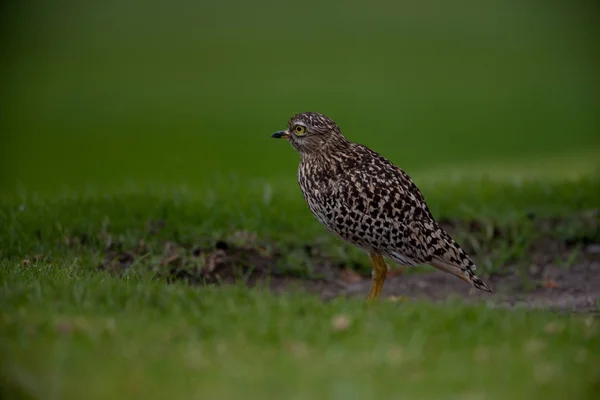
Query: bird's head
311, 132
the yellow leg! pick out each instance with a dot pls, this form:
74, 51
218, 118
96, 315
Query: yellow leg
379, 272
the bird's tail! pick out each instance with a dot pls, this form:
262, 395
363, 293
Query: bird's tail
454, 260
467, 274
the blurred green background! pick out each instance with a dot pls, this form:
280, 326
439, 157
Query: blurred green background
107, 93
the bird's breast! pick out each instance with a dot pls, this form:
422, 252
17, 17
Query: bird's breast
319, 192
316, 187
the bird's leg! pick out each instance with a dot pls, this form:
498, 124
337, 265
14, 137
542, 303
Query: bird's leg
379, 272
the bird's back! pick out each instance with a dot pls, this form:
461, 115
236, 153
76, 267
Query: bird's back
370, 202
358, 193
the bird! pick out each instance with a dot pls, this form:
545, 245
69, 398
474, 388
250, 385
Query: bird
369, 202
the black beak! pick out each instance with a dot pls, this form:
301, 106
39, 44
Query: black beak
280, 134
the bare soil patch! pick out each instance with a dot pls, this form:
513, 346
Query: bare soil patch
560, 270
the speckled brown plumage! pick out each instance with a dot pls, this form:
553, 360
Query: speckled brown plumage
370, 202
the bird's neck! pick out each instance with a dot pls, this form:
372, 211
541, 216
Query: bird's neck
331, 145
330, 159
336, 143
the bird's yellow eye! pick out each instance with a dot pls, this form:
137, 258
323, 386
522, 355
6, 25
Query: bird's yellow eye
300, 130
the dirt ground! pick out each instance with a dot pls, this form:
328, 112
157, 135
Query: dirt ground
558, 274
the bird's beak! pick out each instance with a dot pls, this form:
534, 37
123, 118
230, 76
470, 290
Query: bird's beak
280, 134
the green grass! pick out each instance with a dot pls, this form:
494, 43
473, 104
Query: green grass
118, 115
67, 333
68, 329
274, 210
